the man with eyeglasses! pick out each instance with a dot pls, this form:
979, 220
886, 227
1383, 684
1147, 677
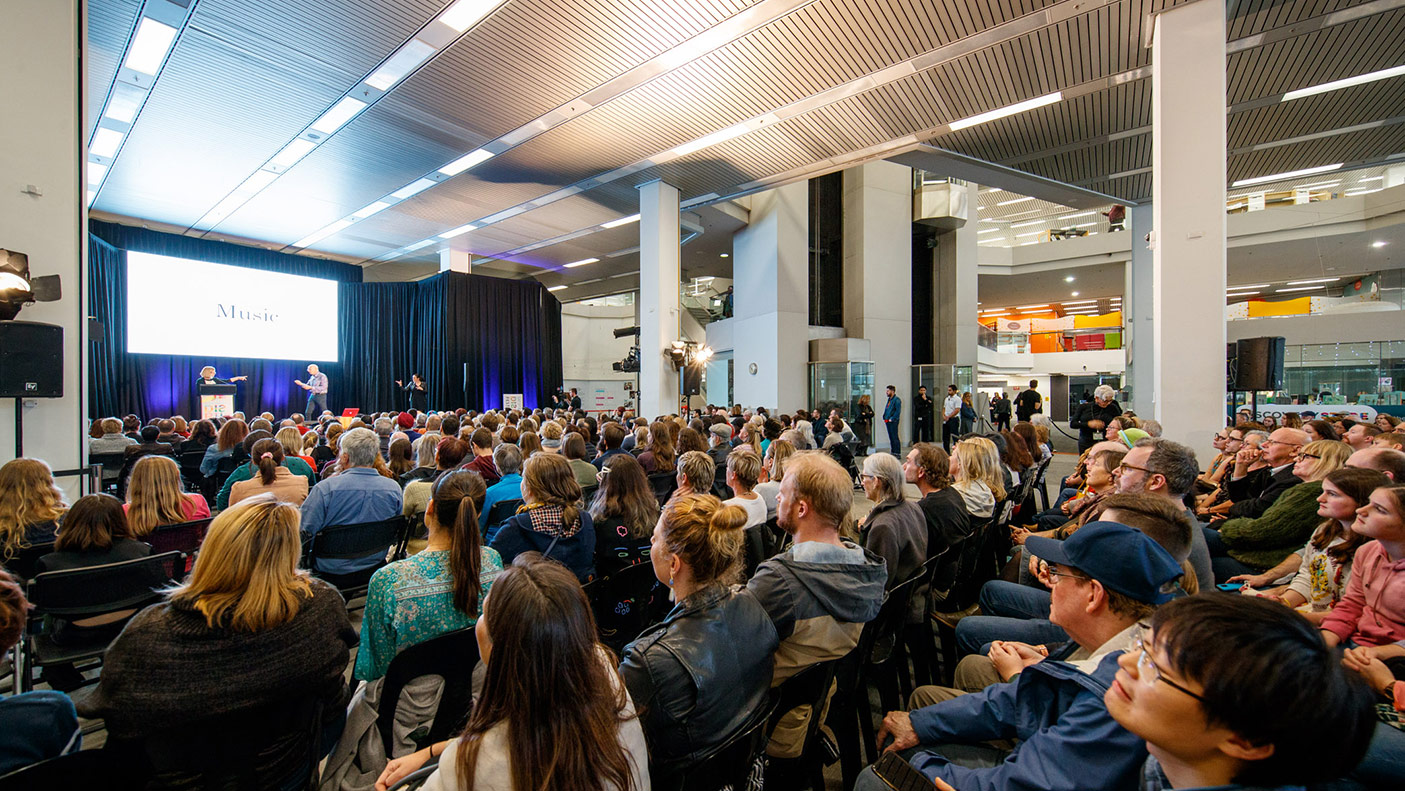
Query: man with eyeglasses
1105, 578
1235, 692
1254, 492
1164, 468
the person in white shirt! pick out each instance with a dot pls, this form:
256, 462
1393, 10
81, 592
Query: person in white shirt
951, 417
743, 470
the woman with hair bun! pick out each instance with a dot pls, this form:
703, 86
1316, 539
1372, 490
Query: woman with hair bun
270, 476
701, 674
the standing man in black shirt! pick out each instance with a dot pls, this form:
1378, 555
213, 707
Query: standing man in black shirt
922, 417
1028, 402
575, 400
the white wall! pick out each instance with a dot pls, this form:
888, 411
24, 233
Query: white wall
589, 347
1331, 328
771, 310
40, 145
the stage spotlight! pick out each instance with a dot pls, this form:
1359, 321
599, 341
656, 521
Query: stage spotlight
18, 289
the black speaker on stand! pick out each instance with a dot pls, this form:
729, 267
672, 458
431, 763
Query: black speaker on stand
31, 366
1258, 365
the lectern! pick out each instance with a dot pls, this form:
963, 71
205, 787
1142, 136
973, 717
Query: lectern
216, 400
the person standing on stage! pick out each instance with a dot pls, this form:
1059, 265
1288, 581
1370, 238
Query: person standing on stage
921, 417
316, 387
419, 392
207, 377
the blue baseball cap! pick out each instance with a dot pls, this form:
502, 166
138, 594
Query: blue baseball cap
1122, 558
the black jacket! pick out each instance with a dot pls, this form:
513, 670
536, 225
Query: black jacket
699, 675
1254, 493
1091, 411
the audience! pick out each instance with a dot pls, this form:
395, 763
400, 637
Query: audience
695, 473
623, 512
553, 711
1167, 469
772, 473
895, 530
507, 458
743, 471
31, 506
551, 521
155, 497
34, 726
356, 494
573, 448
112, 440
975, 470
1386, 460
448, 454
227, 443
149, 444
659, 455
1376, 618
929, 469
1253, 492
1360, 435
612, 436
96, 531
481, 446
273, 476
702, 674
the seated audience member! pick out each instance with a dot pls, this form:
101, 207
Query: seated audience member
896, 529
508, 459
149, 444
1249, 545
154, 497
573, 448
448, 455
1360, 435
356, 494
719, 437
529, 442
112, 439
702, 674
247, 629
1377, 618
772, 473
975, 470
292, 442
1239, 681
929, 469
31, 506
659, 455
1254, 492
326, 453
95, 532
827, 585
166, 433
1016, 456
248, 469
623, 512
1100, 480
1319, 429
202, 436
1393, 441
1105, 578
226, 444
480, 444
1321, 569
1389, 462
743, 470
551, 434
399, 461
34, 726
435, 591
1167, 469
553, 712
690, 440
611, 438
425, 468
552, 521
695, 473
383, 427
271, 476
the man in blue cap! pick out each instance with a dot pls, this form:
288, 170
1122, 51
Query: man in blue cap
1105, 578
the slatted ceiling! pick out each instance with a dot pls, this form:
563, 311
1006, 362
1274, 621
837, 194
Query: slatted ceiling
1255, 16
110, 24
1015, 139
1363, 145
1112, 157
1317, 57
1323, 112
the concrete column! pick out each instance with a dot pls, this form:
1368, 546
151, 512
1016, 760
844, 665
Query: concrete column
770, 307
956, 291
453, 260
658, 297
1394, 176
40, 49
1138, 337
878, 277
1188, 194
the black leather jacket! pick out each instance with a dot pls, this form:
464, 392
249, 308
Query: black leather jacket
699, 675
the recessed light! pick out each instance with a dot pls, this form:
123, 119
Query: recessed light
1381, 243
725, 255
149, 46
581, 262
466, 161
1073, 293
556, 288
1288, 175
1068, 279
621, 221
1317, 280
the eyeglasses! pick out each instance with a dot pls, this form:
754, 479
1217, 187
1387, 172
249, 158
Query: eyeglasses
1308, 456
1125, 466
1151, 672
1268, 442
1052, 575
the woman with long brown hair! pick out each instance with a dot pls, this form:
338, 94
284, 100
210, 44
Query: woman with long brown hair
530, 443
553, 713
551, 520
660, 456
624, 512
30, 505
271, 476
227, 444
155, 497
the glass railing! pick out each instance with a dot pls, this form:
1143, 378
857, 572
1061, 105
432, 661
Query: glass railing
1084, 339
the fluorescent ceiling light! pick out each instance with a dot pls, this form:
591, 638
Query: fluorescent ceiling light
1303, 288
988, 219
124, 102
1336, 85
989, 230
466, 161
1001, 313
1318, 280
1080, 302
462, 15
1083, 225
413, 188
1007, 110
1015, 200
621, 221
1366, 191
1030, 233
256, 182
1027, 244
105, 142
341, 112
710, 140
1076, 216
1369, 178
1028, 223
1243, 293
1292, 174
581, 262
1256, 285
1031, 307
1318, 185
556, 288
96, 172
369, 210
459, 231
149, 46
404, 61
317, 236
418, 245
292, 152
1380, 243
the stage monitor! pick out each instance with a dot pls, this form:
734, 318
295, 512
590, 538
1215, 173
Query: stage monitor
195, 308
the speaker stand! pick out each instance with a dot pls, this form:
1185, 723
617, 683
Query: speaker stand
19, 428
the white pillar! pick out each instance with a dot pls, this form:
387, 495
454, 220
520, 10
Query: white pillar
878, 276
1394, 176
771, 310
1138, 337
42, 146
454, 260
1188, 194
957, 292
658, 298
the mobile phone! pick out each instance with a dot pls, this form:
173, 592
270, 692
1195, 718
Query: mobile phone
1230, 586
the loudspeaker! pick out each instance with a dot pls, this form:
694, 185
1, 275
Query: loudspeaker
692, 380
1259, 364
31, 360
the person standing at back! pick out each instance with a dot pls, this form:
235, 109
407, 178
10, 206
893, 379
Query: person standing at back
1000, 412
921, 417
1028, 402
951, 417
892, 416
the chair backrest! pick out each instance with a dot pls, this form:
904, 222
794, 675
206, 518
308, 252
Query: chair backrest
98, 590
663, 484
451, 656
357, 540
891, 615
26, 558
501, 511
626, 603
809, 687
111, 462
588, 493
731, 763
415, 779
969, 574
184, 537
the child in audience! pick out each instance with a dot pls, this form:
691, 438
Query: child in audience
1372, 612
1233, 692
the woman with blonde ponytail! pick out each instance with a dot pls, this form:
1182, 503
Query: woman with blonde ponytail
701, 674
155, 498
270, 476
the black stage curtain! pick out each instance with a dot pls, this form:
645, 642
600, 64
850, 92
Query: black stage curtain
472, 338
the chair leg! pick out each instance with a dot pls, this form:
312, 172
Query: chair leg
901, 673
843, 720
948, 637
922, 646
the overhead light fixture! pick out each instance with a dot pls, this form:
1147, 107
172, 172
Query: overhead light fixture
149, 46
1318, 185
414, 188
1068, 279
581, 262
341, 112
713, 139
465, 13
1318, 280
1008, 110
256, 182
1256, 285
1028, 233
1242, 294
1015, 200
1379, 243
1363, 191
419, 245
466, 161
397, 66
621, 221
105, 142
724, 255
557, 288
988, 230
1292, 174
96, 172
124, 102
1073, 293
1370, 178
1336, 85
1028, 223
369, 210
292, 153
1080, 302
1027, 244
1032, 307
459, 231
1303, 288
1083, 225
1076, 216
314, 238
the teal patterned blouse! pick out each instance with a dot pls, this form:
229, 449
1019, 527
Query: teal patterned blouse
411, 601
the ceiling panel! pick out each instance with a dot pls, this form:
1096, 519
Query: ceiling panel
110, 24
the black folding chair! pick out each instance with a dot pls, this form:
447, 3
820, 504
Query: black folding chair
626, 603
98, 770
809, 687
1041, 485
588, 493
190, 467
451, 656
376, 541
500, 512
734, 764
185, 537
25, 559
111, 466
80, 594
416, 778
663, 484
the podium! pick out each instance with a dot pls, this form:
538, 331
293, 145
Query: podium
216, 400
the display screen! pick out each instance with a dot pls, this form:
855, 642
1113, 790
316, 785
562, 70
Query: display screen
182, 306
